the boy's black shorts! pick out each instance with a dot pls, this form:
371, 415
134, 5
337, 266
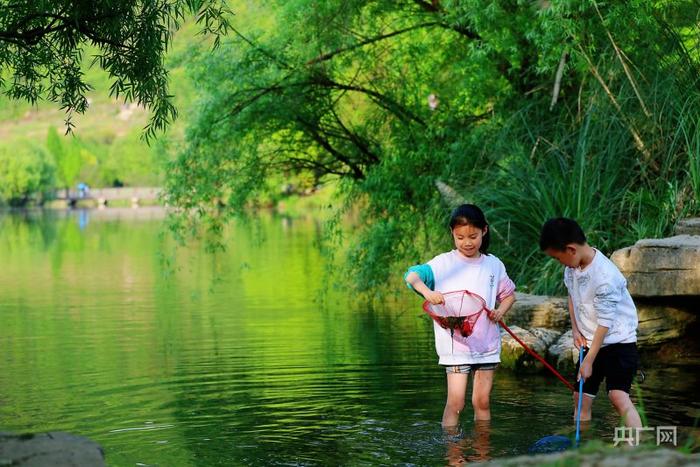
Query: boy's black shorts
617, 363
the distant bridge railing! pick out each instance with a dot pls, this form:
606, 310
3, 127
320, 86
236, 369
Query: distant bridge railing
104, 195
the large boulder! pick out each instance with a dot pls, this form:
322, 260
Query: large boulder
539, 311
661, 267
658, 324
55, 449
688, 227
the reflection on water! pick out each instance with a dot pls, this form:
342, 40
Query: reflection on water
474, 447
247, 357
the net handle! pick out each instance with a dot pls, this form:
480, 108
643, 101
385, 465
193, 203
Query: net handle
536, 355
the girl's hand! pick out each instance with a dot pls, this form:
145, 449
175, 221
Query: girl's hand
496, 315
434, 297
579, 340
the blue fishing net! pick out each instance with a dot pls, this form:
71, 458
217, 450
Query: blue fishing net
553, 443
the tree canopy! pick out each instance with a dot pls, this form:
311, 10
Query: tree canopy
532, 109
42, 43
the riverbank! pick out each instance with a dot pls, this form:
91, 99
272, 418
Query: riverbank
599, 455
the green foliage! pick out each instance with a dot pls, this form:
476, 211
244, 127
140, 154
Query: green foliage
531, 109
25, 173
126, 161
69, 155
42, 45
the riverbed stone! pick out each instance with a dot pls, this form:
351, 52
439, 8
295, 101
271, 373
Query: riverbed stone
661, 267
546, 335
514, 356
689, 226
562, 354
605, 457
538, 311
56, 449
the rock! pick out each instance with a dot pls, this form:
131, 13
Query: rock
684, 351
514, 356
546, 335
661, 267
54, 449
562, 354
661, 323
688, 227
658, 324
539, 311
604, 457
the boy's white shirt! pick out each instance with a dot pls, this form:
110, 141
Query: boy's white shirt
452, 272
600, 297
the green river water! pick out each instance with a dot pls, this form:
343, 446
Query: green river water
252, 356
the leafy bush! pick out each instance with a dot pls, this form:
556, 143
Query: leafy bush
26, 173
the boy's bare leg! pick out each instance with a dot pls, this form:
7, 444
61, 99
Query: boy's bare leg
624, 406
586, 405
456, 393
483, 381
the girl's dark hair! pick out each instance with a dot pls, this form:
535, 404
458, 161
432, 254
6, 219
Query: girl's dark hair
470, 214
559, 232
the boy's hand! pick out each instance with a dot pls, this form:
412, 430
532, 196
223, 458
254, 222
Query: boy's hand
579, 340
585, 370
434, 297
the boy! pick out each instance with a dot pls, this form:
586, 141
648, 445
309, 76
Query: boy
603, 317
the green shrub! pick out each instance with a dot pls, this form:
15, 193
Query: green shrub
26, 173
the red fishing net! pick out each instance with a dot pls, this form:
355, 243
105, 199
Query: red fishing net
459, 313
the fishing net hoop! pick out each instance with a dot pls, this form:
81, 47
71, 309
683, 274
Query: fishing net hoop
460, 311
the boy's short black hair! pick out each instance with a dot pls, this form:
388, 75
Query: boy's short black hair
559, 232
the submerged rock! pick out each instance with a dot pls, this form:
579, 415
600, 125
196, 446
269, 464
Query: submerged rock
661, 267
54, 449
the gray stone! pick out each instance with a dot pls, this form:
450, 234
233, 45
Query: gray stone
562, 354
688, 226
661, 267
658, 324
514, 356
545, 335
539, 311
604, 457
54, 449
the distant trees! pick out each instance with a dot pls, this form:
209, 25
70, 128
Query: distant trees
26, 173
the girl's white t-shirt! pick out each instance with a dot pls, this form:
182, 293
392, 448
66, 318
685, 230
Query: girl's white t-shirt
485, 276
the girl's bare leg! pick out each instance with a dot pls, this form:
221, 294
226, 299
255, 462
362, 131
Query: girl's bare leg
481, 392
456, 393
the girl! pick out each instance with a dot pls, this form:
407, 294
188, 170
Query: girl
470, 267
